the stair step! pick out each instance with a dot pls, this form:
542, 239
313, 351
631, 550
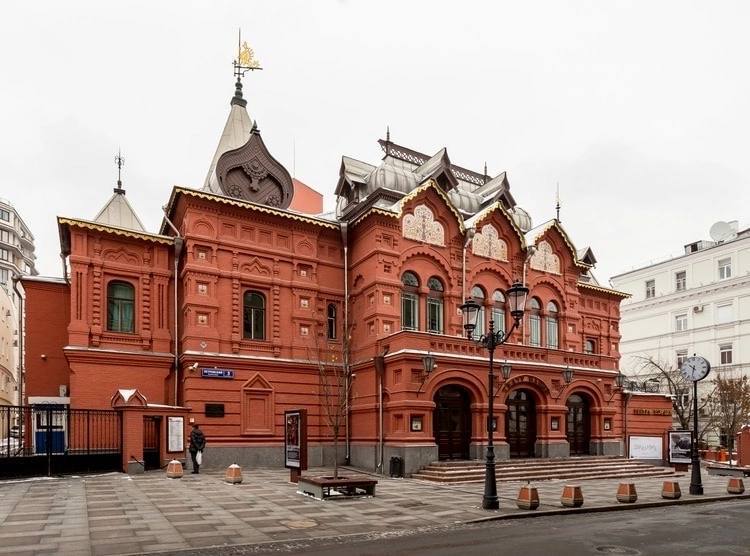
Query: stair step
656, 472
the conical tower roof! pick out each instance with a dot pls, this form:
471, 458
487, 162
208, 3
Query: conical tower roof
236, 133
118, 212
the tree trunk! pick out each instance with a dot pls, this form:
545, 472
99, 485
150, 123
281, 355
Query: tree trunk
336, 454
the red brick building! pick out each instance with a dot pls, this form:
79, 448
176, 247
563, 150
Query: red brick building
267, 286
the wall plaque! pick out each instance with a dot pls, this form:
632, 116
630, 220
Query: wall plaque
175, 434
217, 373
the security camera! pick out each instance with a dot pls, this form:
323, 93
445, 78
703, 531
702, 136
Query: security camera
194, 366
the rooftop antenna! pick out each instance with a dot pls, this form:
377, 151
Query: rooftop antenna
557, 203
485, 171
120, 161
387, 140
245, 62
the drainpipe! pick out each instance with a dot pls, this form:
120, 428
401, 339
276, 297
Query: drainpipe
346, 340
178, 244
469, 236
379, 374
21, 359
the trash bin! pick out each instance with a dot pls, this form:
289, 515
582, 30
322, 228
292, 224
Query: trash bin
397, 467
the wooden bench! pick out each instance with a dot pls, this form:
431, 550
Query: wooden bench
320, 487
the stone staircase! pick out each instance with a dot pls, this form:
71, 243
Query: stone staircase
538, 469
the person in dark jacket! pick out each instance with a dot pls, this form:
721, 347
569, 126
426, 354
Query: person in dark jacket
197, 444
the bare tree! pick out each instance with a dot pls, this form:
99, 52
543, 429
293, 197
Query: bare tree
680, 389
729, 406
335, 382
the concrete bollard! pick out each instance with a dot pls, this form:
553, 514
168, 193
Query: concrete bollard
572, 496
671, 490
174, 469
233, 474
735, 486
528, 498
626, 493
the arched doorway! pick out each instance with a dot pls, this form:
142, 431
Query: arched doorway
520, 424
452, 422
578, 425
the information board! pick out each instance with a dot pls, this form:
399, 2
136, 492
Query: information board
645, 447
175, 434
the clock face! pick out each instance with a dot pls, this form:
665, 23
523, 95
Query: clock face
695, 368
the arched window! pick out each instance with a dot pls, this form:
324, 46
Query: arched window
553, 340
477, 294
254, 316
435, 306
535, 325
120, 307
498, 310
409, 301
331, 321
589, 346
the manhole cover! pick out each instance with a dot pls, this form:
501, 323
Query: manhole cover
611, 549
300, 523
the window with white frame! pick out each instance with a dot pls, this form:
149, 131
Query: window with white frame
552, 328
680, 322
650, 288
409, 301
725, 354
435, 306
4, 215
534, 306
4, 255
725, 268
477, 294
724, 313
498, 311
680, 281
681, 356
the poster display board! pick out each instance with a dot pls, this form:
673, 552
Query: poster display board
295, 439
175, 434
680, 446
645, 447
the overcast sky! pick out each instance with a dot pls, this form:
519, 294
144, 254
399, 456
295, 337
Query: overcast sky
639, 110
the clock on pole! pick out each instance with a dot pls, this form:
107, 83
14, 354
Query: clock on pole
695, 368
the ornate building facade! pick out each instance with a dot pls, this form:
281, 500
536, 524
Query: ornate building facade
248, 292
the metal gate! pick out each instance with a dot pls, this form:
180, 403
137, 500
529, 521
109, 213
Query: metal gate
55, 440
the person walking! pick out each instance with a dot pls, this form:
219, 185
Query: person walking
197, 444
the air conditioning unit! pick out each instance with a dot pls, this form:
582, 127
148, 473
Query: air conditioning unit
698, 309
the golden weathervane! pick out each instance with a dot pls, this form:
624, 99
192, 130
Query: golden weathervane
246, 60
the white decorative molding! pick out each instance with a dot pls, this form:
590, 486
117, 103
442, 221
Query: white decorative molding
487, 243
545, 259
421, 226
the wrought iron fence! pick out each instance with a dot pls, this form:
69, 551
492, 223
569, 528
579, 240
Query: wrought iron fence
53, 439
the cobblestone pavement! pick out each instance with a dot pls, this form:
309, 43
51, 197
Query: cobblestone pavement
120, 514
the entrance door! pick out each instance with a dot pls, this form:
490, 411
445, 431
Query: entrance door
452, 422
520, 424
579, 425
151, 442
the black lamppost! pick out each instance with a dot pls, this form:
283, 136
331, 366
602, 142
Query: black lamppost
516, 297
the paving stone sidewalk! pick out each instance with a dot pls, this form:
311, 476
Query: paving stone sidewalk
122, 514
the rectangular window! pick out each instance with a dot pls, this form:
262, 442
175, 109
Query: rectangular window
650, 288
724, 313
681, 356
4, 215
535, 331
498, 318
4, 275
680, 280
725, 354
409, 312
725, 268
4, 255
4, 236
680, 323
435, 315
552, 333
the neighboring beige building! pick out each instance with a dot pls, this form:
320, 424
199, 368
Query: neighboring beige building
16, 246
8, 351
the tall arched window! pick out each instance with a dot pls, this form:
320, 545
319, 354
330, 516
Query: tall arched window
409, 301
477, 294
331, 321
120, 307
435, 306
498, 310
534, 320
254, 316
553, 340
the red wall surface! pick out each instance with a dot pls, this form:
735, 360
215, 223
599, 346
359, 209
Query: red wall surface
47, 307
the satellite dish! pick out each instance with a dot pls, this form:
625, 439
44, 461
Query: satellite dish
721, 231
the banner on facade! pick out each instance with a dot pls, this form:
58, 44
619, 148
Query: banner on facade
295, 439
680, 446
645, 447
